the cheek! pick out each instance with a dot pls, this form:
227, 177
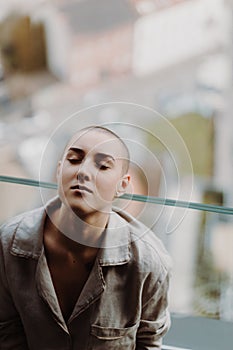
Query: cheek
67, 172
106, 184
63, 180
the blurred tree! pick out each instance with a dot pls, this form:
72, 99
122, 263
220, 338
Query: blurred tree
197, 133
22, 44
207, 285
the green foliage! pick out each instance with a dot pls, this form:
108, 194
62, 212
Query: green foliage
197, 133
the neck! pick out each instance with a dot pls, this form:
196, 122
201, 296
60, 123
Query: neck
86, 230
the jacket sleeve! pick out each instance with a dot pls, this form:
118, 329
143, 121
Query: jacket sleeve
155, 317
12, 334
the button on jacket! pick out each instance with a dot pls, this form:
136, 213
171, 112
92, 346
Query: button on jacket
123, 304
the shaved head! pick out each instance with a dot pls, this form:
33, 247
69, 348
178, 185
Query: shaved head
124, 149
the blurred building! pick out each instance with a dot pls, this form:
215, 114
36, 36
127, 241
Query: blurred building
89, 42
22, 44
147, 6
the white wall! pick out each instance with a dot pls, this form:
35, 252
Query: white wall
178, 33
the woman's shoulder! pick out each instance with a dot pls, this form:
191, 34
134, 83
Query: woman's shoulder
145, 245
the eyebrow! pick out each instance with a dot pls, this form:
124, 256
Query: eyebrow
100, 155
75, 149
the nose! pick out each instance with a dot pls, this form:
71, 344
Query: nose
84, 172
82, 177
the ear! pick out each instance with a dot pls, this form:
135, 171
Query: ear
122, 185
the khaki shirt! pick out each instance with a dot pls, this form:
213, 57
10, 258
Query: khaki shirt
123, 304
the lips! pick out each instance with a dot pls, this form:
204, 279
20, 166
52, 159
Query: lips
81, 188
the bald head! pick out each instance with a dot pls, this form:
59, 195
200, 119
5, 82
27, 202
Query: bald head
123, 149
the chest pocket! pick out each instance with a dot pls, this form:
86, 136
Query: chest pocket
113, 338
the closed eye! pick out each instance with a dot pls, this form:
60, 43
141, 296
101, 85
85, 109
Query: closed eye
103, 167
74, 160
75, 155
104, 161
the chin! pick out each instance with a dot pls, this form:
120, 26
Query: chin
80, 211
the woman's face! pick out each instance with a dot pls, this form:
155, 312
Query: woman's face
91, 172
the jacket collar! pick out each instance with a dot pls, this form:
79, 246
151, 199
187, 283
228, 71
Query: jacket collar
115, 248
28, 237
